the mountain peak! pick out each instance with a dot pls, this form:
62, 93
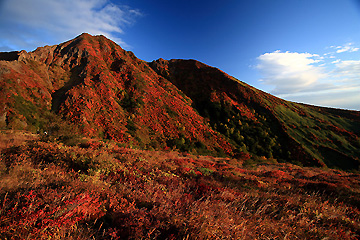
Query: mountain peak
89, 37
85, 35
92, 87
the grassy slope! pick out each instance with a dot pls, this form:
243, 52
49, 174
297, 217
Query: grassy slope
98, 190
328, 136
261, 124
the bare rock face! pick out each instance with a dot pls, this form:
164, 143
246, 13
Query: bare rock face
23, 55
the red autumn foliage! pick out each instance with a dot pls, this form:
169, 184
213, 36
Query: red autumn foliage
101, 191
92, 87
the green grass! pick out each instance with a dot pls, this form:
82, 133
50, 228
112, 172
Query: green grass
314, 132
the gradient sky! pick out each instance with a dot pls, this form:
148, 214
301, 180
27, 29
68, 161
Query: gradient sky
300, 50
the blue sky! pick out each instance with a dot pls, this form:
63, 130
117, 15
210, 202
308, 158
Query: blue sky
300, 50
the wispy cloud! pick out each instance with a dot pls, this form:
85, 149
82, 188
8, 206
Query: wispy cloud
348, 71
345, 48
28, 24
311, 78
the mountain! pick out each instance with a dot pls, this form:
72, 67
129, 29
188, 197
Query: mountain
91, 87
101, 91
265, 125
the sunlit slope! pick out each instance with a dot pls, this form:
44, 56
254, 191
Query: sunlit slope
91, 86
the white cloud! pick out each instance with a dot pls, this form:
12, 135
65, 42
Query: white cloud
345, 48
28, 24
298, 77
290, 72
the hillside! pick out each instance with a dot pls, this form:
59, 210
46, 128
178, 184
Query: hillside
98, 190
102, 91
264, 125
90, 86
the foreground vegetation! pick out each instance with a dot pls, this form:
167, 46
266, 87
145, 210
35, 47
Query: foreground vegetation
88, 189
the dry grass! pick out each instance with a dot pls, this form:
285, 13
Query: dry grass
52, 191
11, 138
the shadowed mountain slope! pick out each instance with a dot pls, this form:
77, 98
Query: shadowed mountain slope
90, 86
265, 125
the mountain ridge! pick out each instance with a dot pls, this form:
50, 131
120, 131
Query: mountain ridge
95, 88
